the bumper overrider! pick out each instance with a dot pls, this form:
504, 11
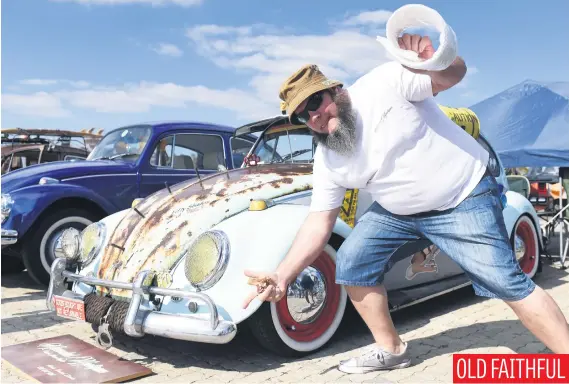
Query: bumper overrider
9, 236
132, 318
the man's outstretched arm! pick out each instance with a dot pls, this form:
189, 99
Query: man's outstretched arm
447, 78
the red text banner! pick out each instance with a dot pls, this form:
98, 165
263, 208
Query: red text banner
510, 368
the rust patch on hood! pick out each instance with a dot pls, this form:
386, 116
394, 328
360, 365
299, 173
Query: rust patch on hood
171, 220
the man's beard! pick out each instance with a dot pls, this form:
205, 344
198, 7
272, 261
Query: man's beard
343, 139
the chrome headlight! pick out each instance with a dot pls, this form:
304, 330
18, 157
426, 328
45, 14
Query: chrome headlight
92, 239
206, 259
70, 243
6, 208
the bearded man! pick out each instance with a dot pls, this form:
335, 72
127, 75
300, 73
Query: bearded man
429, 180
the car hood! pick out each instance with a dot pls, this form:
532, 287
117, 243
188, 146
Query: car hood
31, 175
153, 235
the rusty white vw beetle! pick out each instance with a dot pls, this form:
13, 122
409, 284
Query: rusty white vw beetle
173, 265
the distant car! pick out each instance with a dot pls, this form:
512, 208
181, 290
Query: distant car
173, 265
40, 202
24, 147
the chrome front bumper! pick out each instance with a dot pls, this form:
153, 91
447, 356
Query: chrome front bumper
9, 236
140, 321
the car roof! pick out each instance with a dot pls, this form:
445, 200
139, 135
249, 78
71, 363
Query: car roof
160, 126
261, 125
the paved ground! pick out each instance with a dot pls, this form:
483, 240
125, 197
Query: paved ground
458, 322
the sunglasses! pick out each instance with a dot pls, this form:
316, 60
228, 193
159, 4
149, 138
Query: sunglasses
314, 102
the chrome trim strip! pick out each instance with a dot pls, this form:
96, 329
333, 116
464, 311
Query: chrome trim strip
99, 175
189, 175
431, 296
294, 196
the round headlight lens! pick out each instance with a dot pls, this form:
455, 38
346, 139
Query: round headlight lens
70, 243
92, 239
206, 259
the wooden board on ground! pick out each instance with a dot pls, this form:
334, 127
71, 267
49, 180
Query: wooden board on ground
67, 359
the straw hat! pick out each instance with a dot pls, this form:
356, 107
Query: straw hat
301, 84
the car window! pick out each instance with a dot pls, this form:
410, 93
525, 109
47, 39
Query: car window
286, 145
48, 157
6, 161
162, 155
239, 149
24, 159
188, 150
73, 157
125, 144
493, 164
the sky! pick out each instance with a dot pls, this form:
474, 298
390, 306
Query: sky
74, 64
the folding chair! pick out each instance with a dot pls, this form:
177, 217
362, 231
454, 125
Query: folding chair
561, 217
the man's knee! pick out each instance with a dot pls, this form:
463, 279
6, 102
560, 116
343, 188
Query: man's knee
360, 292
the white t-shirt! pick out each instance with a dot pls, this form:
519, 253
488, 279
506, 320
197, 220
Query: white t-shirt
410, 156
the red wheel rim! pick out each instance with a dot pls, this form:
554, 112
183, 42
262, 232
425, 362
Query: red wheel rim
312, 331
528, 260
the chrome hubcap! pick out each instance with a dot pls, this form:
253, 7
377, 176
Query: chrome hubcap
520, 247
306, 296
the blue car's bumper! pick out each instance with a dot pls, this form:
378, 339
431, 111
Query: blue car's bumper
9, 236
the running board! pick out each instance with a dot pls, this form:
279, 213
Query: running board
406, 297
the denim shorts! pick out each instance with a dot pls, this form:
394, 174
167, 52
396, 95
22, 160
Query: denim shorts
473, 234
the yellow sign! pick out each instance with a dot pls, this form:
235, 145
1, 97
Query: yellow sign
349, 207
464, 118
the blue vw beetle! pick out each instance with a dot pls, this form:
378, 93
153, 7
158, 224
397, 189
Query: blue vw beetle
39, 202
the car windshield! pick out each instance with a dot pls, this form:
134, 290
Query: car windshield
125, 144
286, 144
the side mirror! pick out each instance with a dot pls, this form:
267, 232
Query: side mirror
519, 184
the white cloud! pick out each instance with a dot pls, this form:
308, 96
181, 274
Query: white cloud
265, 54
135, 98
183, 3
369, 17
79, 84
168, 50
37, 104
46, 82
38, 82
269, 56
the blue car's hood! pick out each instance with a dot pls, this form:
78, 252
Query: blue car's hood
60, 170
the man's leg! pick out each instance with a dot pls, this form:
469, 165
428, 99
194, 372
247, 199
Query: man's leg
542, 316
475, 236
372, 305
360, 265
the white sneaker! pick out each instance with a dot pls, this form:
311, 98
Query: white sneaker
376, 359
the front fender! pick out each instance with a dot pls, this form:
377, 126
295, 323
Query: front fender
32, 201
260, 248
516, 206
